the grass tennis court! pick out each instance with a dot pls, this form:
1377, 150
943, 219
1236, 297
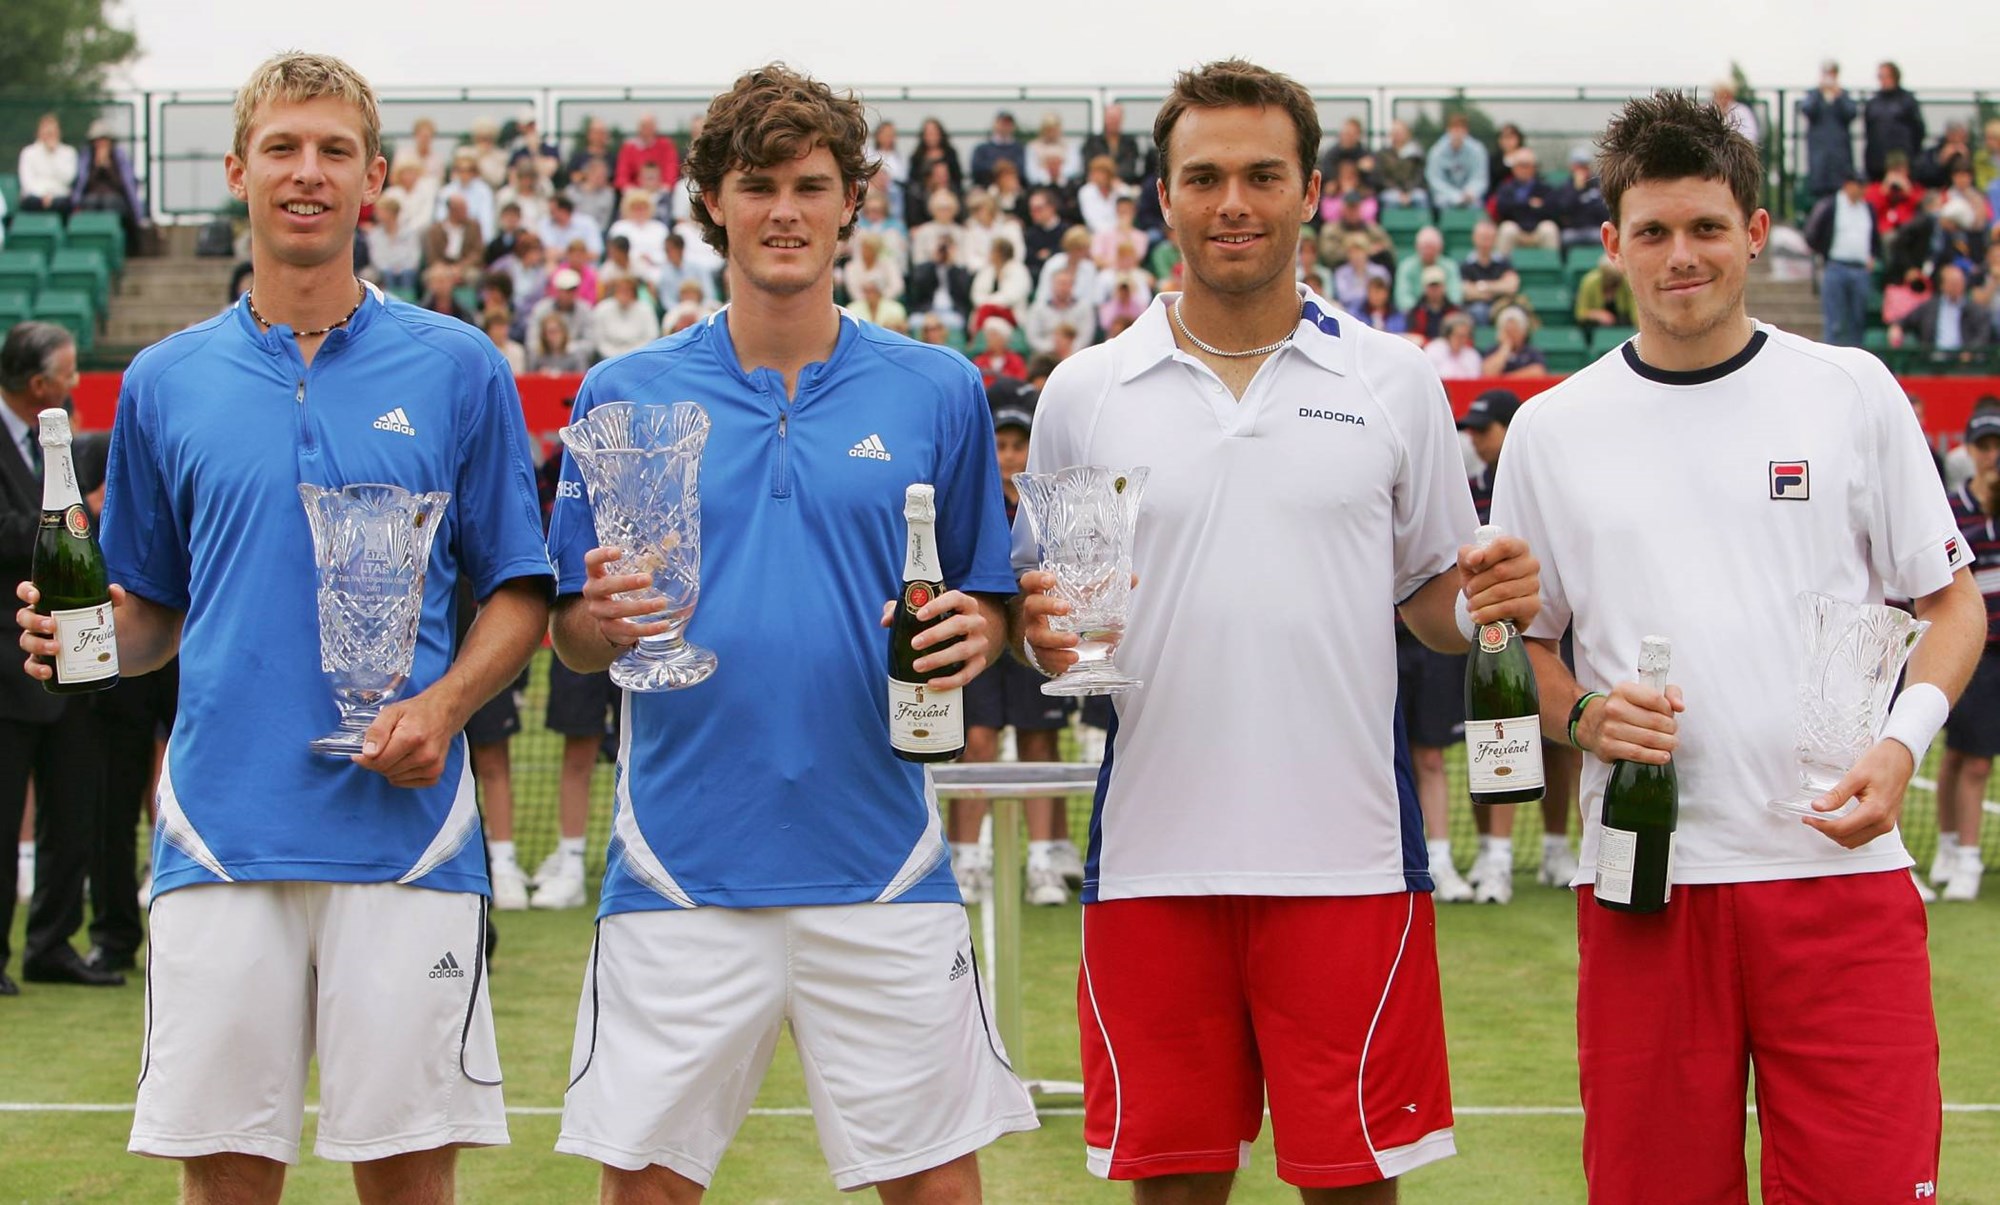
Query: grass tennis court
1509, 980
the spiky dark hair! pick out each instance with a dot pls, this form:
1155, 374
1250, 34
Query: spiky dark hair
1671, 136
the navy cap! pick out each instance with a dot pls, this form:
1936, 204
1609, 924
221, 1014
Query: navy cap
1982, 425
1013, 417
1493, 406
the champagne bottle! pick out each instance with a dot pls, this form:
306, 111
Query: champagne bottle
924, 724
69, 571
1503, 712
1642, 803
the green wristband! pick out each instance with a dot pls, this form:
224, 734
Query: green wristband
1576, 712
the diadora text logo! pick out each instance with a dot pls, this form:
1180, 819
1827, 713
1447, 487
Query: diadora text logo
396, 421
569, 489
1333, 416
870, 449
1791, 480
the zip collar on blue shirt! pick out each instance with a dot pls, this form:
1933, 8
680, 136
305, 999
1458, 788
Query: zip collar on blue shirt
766, 379
277, 341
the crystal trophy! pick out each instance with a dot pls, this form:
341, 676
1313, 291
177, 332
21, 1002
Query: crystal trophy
1083, 518
1854, 653
371, 546
641, 464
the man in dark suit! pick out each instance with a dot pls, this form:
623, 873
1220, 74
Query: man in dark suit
943, 275
1950, 326
54, 738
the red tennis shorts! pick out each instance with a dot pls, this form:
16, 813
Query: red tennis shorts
1193, 1008
1823, 985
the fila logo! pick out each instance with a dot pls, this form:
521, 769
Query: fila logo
959, 967
569, 489
1333, 416
1791, 480
1926, 1189
870, 449
447, 968
395, 421
1951, 554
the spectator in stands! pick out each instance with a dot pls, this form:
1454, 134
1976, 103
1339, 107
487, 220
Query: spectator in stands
457, 240
441, 282
1378, 309
578, 320
1348, 147
888, 155
551, 353
1001, 145
1828, 112
591, 193
871, 266
1960, 238
1453, 356
502, 243
1895, 196
679, 270
1350, 279
1891, 122
1064, 344
646, 234
1105, 244
1948, 327
1456, 168
879, 217
528, 267
1986, 160
984, 226
997, 357
940, 285
934, 148
1429, 254
1952, 150
1311, 273
1424, 321
1007, 193
580, 259
1524, 204
1741, 117
488, 156
933, 329
1062, 306
625, 321
1128, 163
415, 192
1513, 355
432, 157
916, 200
943, 227
1400, 169
1962, 188
1097, 198
1604, 296
1041, 237
1579, 203
1075, 258
596, 144
618, 263
466, 184
1489, 277
104, 182
647, 146
1124, 292
526, 188
871, 304
1841, 231
47, 169
699, 254
1347, 199
531, 148
500, 332
395, 252
564, 225
1052, 160
1901, 296
496, 295
1987, 294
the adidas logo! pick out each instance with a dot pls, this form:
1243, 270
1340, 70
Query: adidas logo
447, 968
959, 967
395, 421
870, 449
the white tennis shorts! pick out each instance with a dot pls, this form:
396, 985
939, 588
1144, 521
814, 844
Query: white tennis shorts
247, 982
681, 1011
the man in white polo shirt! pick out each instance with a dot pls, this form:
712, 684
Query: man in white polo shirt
1257, 916
1692, 486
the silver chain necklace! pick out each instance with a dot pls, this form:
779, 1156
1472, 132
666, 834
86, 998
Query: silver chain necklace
1266, 350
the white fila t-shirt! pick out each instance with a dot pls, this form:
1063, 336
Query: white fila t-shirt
1274, 536
1697, 507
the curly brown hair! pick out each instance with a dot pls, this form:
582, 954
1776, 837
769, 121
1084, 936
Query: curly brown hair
1670, 135
1227, 83
768, 116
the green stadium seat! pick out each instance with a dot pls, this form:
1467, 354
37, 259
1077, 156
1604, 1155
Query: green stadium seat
71, 270
101, 230
72, 310
1458, 248
1553, 304
1403, 221
1876, 339
1459, 222
1538, 265
10, 188
38, 231
22, 272
14, 307
1484, 336
1565, 361
1604, 338
1565, 339
1165, 257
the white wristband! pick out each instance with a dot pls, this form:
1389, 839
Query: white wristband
1461, 610
1915, 719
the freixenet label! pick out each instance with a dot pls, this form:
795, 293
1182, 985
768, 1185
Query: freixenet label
1504, 755
916, 595
86, 644
923, 720
1492, 637
78, 521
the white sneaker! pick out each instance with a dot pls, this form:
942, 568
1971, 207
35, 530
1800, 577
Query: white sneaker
975, 880
562, 891
1045, 887
1964, 885
1943, 862
1924, 891
1067, 862
24, 875
510, 890
1558, 867
1451, 887
1496, 878
548, 871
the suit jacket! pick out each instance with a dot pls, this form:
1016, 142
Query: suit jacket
1975, 324
21, 697
924, 285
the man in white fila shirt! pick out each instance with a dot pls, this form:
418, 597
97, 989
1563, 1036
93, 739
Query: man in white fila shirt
1257, 918
1692, 486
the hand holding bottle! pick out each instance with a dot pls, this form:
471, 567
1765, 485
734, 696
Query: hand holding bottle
1635, 722
1501, 580
38, 630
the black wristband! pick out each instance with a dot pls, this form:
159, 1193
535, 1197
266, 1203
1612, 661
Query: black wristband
1576, 712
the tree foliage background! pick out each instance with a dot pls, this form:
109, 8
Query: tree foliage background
56, 55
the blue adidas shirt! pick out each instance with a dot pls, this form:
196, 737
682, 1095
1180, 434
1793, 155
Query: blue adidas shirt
216, 428
772, 783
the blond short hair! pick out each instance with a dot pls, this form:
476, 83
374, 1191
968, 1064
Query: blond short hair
297, 76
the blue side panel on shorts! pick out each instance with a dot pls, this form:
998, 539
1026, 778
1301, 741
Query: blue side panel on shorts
1416, 853
1089, 893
